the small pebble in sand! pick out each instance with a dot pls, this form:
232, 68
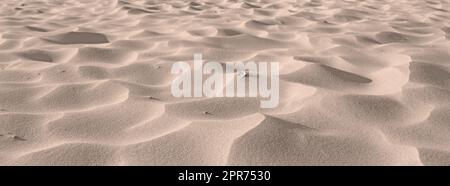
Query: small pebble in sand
153, 98
15, 137
246, 74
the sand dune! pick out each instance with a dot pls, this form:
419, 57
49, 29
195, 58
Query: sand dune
87, 82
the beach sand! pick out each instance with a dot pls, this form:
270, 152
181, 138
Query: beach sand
87, 82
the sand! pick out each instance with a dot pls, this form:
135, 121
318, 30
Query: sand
87, 82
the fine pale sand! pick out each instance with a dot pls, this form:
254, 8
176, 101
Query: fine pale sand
87, 82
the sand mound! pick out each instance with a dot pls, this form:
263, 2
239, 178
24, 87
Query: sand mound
71, 38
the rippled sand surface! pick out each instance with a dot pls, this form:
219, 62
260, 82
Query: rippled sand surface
87, 82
